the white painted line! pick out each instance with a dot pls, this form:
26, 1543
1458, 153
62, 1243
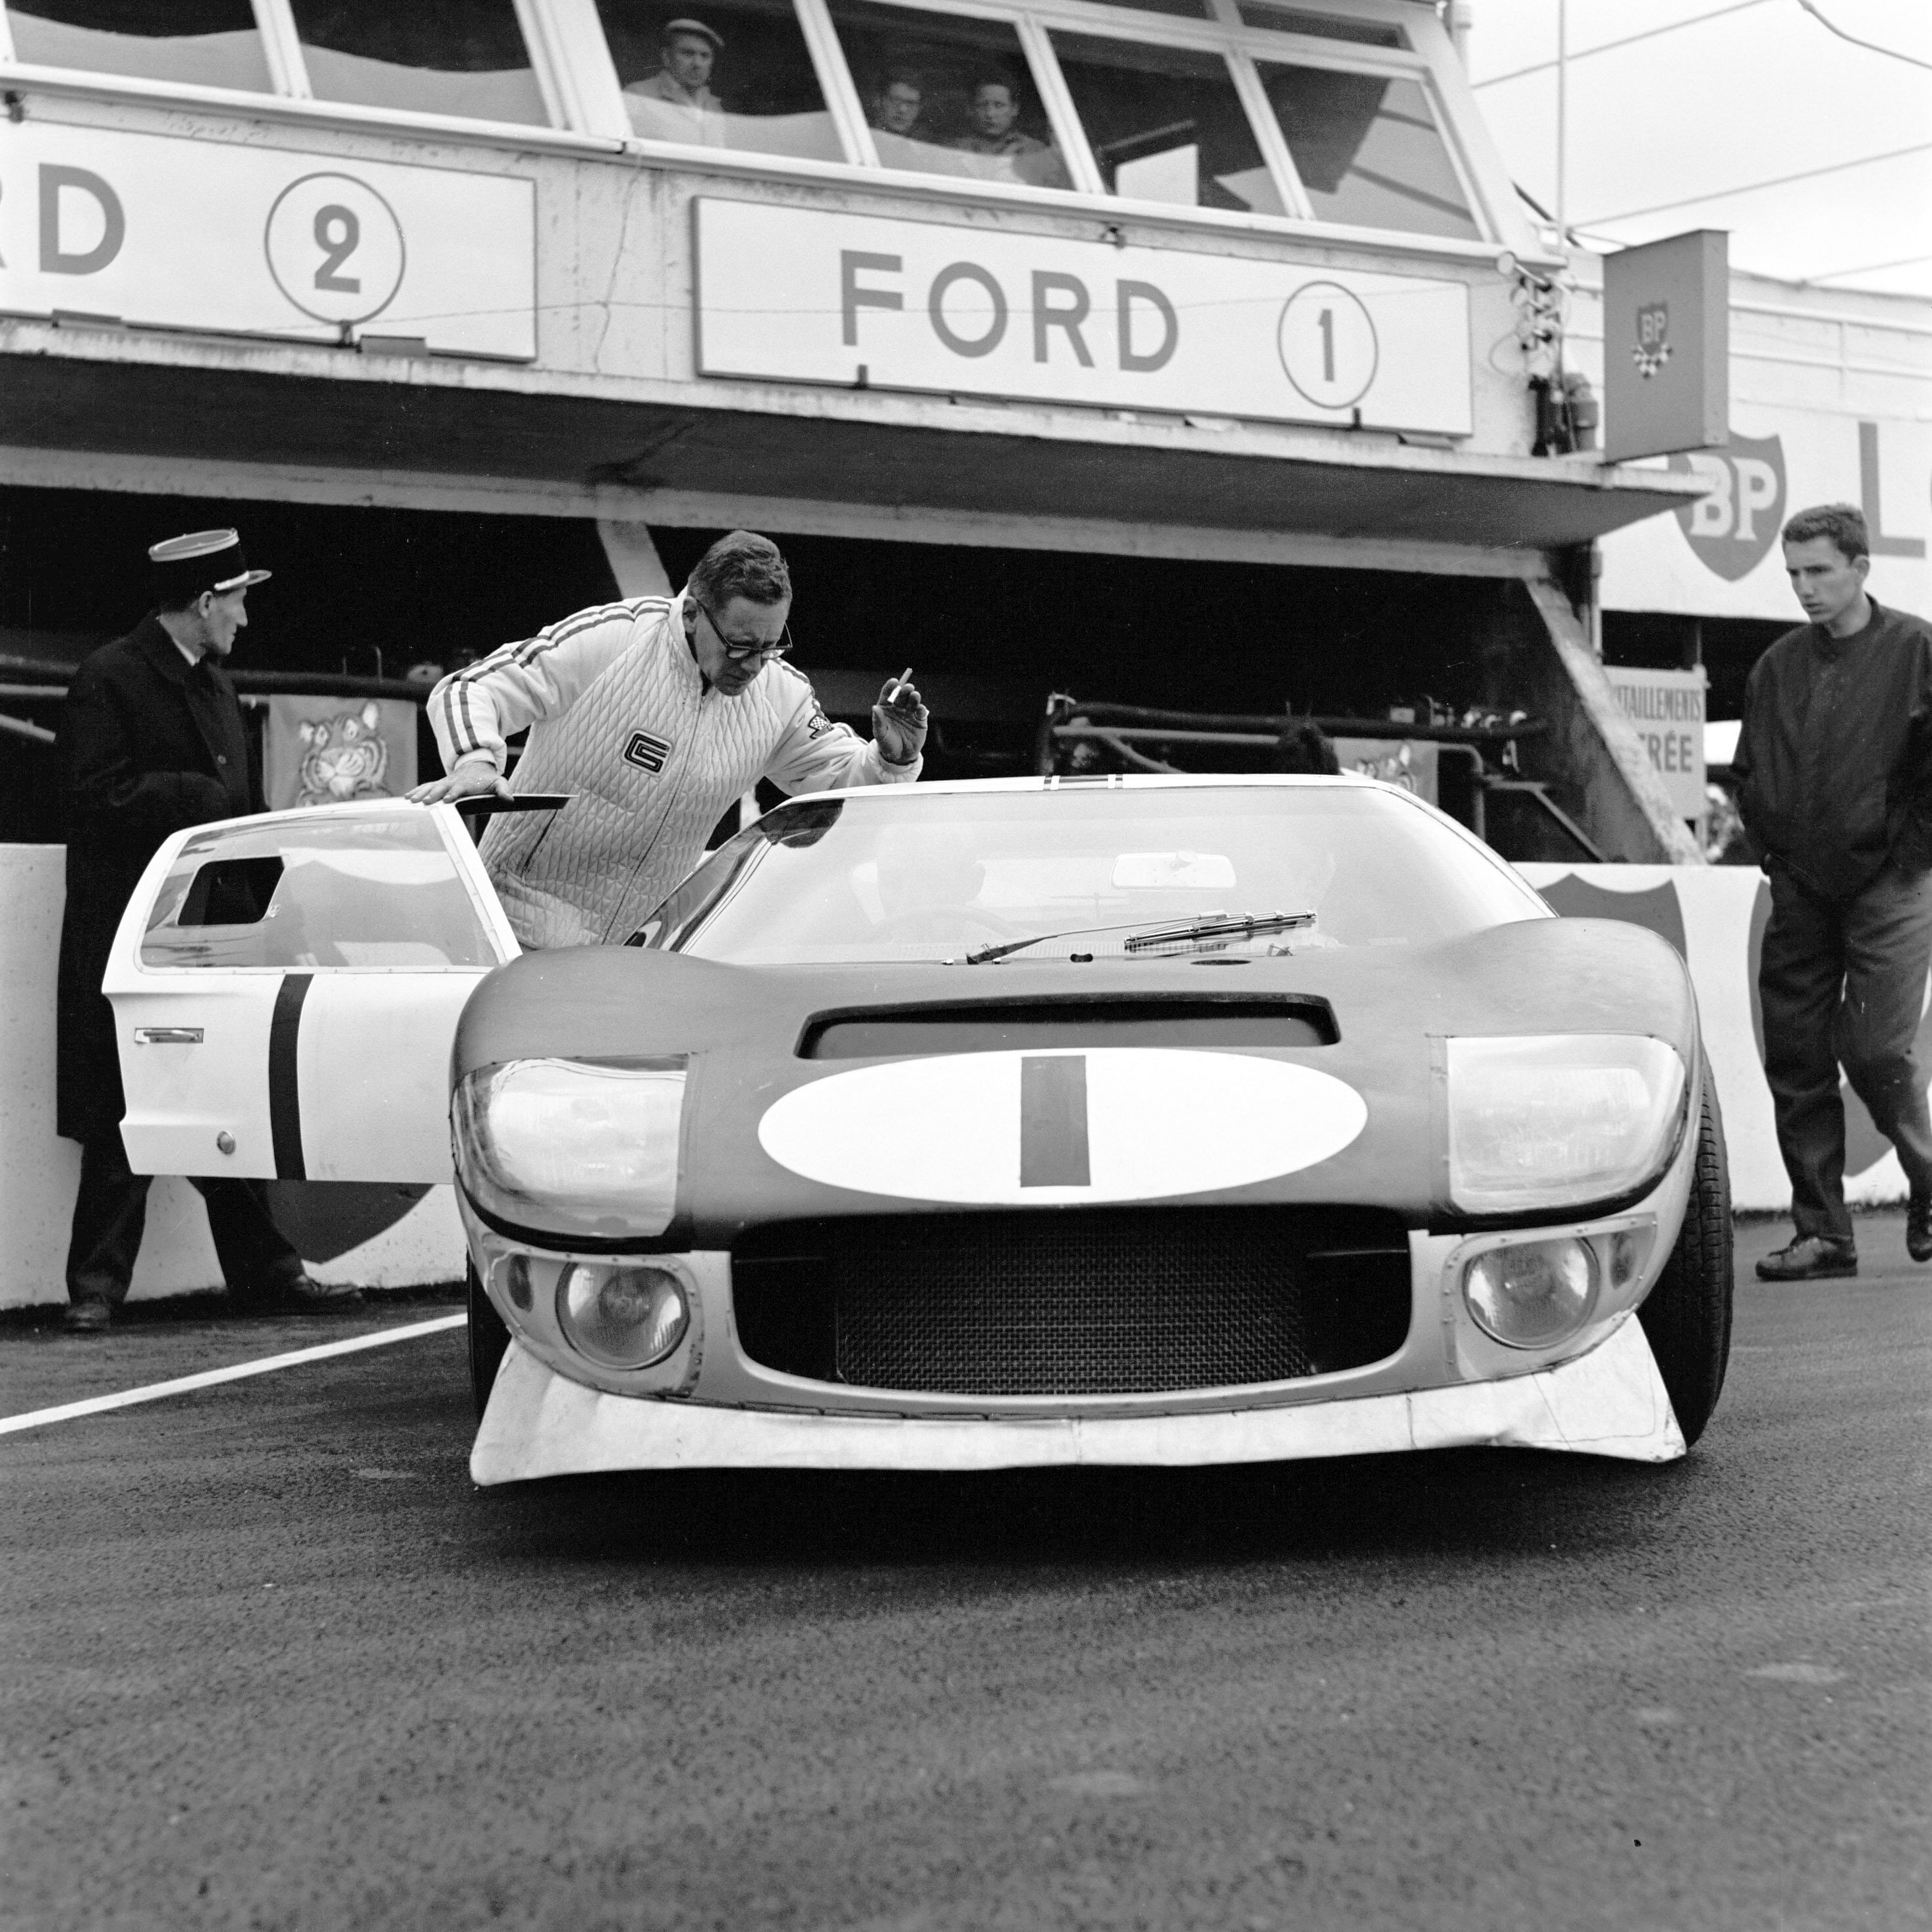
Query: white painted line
265, 1365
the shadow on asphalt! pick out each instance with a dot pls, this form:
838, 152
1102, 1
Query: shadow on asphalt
1446, 1501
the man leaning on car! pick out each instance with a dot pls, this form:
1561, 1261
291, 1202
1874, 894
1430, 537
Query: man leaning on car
655, 714
1835, 771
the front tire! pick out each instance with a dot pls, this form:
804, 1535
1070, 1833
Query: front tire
1687, 1316
489, 1341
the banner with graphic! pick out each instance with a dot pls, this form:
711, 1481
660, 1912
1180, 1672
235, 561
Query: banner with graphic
1720, 556
324, 751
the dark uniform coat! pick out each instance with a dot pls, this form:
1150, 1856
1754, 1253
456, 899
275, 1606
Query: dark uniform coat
150, 747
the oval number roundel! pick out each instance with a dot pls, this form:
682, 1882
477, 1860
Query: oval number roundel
1115, 1124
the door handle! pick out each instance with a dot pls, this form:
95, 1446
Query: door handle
167, 1036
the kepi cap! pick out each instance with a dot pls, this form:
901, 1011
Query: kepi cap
697, 27
185, 566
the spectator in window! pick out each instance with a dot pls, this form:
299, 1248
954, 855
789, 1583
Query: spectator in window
687, 53
995, 111
897, 106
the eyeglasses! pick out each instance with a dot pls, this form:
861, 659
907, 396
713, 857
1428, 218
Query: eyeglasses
738, 650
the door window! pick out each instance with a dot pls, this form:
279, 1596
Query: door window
1166, 124
458, 57
315, 892
949, 96
1368, 150
729, 73
206, 43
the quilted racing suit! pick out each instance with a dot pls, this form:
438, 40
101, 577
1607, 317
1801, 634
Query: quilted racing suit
620, 717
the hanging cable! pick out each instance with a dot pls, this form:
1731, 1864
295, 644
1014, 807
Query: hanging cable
1603, 47
1752, 187
1870, 46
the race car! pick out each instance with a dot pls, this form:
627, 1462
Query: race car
1103, 1120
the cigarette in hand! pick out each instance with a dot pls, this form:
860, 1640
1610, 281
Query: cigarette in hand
899, 683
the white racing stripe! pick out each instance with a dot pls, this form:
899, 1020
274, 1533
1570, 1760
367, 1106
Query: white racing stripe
264, 1365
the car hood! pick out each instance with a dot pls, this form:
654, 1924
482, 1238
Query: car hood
758, 1148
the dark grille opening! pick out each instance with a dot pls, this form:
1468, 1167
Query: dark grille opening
993, 1026
1078, 1301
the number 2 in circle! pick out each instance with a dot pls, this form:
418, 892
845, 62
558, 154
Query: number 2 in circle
338, 234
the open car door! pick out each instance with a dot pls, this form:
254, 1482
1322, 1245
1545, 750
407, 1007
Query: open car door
286, 988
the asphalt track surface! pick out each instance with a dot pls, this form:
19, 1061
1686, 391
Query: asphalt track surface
272, 1661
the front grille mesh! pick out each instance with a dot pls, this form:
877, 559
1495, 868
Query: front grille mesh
1074, 1302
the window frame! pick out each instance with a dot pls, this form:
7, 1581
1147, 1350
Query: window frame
577, 81
1220, 32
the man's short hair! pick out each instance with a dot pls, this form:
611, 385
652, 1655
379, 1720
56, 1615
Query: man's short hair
1844, 524
1303, 746
742, 565
986, 80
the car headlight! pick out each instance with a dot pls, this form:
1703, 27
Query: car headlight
1531, 1295
573, 1147
621, 1314
1556, 1120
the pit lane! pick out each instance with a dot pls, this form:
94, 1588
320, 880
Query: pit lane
274, 1662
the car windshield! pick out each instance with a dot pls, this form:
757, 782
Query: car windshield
904, 874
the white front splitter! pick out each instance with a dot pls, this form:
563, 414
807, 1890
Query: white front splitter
1610, 1402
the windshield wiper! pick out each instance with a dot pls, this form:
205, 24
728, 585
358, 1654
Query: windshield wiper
984, 953
1216, 926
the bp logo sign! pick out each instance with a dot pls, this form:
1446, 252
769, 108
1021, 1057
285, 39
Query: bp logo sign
1652, 350
1733, 528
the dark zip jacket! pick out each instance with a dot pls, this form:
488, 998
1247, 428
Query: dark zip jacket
1834, 763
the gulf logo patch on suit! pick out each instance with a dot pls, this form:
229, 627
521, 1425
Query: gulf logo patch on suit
1048, 1129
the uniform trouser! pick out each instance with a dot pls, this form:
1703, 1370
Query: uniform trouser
111, 1210
1845, 983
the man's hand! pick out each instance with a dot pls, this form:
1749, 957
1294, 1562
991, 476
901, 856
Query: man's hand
471, 778
899, 720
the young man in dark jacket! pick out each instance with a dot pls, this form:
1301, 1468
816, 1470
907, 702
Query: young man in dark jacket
1835, 767
153, 742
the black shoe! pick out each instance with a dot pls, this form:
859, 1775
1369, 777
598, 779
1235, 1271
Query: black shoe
93, 1317
1918, 1229
1811, 1258
295, 1295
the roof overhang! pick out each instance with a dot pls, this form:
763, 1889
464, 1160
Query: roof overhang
342, 415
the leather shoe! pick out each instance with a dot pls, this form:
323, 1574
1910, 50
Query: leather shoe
296, 1295
91, 1317
1811, 1258
1918, 1229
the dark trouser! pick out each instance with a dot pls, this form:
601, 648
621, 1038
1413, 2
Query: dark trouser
1845, 983
111, 1210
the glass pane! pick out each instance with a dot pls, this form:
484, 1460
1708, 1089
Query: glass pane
317, 891
465, 58
947, 96
925, 875
737, 76
1325, 26
210, 43
1368, 150
1166, 125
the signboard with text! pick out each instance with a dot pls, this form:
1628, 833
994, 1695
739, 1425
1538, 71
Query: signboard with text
1666, 707
787, 294
162, 231
1720, 556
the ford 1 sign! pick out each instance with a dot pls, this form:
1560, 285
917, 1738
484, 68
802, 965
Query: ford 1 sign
792, 295
157, 231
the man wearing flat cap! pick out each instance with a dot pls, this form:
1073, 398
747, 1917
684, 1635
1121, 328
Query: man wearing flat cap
152, 740
687, 52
